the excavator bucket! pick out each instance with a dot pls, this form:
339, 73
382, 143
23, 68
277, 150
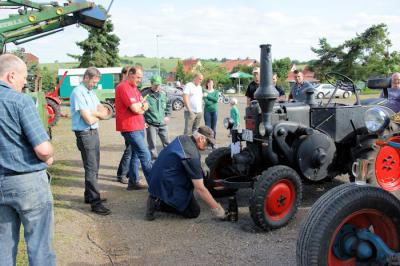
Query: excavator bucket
94, 16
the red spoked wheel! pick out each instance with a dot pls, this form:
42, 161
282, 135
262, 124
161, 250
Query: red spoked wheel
280, 199
387, 165
331, 234
275, 197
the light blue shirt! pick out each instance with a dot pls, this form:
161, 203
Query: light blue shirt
82, 99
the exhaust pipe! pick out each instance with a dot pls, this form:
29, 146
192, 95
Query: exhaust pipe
266, 95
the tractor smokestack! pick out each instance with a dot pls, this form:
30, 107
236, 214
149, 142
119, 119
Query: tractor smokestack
266, 94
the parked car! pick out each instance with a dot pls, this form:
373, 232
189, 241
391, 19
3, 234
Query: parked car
175, 96
176, 99
326, 90
230, 91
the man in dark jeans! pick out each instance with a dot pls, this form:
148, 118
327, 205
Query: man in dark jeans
25, 153
130, 107
86, 111
177, 173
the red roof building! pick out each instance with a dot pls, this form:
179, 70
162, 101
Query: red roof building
230, 64
31, 59
190, 65
307, 74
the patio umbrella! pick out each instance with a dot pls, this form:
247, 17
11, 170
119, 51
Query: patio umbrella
240, 75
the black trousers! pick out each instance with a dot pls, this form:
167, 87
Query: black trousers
192, 210
88, 144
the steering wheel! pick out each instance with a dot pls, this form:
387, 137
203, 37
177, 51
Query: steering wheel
341, 81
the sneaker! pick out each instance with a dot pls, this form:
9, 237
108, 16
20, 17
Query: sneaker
150, 208
101, 200
136, 186
123, 180
100, 209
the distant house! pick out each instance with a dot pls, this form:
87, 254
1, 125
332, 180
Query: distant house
191, 65
31, 59
307, 74
230, 64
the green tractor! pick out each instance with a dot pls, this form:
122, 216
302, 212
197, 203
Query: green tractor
35, 20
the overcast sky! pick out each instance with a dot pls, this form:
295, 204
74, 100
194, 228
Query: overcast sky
228, 29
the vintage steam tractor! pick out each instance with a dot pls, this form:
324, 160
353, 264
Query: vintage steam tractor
359, 224
35, 20
287, 143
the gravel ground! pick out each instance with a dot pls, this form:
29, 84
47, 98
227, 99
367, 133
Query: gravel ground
125, 238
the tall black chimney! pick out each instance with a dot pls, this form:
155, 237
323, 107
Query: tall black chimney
266, 94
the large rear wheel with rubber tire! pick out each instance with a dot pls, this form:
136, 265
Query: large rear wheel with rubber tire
53, 112
276, 196
329, 234
219, 162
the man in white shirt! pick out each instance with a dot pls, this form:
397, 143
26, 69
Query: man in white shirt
193, 100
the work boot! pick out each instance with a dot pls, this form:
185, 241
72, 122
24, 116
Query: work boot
100, 209
151, 208
136, 186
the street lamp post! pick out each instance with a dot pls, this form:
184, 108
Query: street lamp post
158, 56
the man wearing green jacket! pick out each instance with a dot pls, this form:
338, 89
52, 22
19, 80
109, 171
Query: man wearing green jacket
157, 116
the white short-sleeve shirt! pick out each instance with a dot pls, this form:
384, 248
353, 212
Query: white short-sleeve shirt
195, 96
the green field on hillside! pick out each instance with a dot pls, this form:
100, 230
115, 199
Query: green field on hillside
166, 64
56, 66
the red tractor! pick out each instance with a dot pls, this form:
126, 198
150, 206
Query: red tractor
54, 103
357, 223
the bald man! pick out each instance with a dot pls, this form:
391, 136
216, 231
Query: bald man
193, 100
298, 90
25, 153
393, 101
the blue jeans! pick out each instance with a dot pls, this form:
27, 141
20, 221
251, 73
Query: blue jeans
139, 151
123, 168
26, 199
210, 119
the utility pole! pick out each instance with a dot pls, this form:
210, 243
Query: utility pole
158, 56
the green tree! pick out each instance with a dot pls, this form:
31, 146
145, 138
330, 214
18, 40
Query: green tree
359, 57
243, 68
180, 73
100, 49
281, 67
216, 73
49, 79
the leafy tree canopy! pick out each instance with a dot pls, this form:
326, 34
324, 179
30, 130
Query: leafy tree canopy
360, 57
